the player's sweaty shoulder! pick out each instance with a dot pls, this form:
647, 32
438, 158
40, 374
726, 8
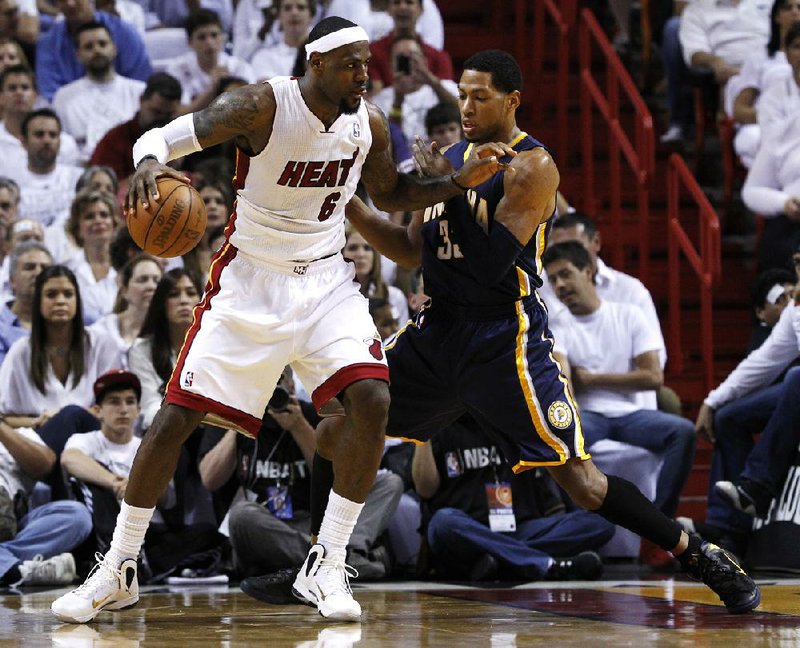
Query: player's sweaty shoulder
534, 170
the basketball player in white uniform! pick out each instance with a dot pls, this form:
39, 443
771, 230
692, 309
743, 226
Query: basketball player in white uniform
279, 293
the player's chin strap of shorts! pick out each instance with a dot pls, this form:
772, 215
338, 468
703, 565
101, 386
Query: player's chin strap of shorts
169, 142
490, 257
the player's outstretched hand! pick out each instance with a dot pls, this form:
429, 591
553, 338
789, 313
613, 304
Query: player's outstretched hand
143, 186
483, 163
429, 160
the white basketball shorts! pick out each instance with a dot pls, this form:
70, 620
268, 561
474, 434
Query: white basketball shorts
256, 318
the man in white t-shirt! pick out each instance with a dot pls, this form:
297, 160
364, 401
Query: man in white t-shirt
612, 353
34, 547
90, 106
46, 186
18, 97
201, 70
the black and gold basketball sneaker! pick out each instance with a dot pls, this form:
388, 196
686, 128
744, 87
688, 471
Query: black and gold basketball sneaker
719, 570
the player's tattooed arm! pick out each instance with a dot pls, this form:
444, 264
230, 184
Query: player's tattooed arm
245, 114
394, 191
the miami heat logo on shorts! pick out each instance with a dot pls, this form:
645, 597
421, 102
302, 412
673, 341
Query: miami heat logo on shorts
559, 414
375, 347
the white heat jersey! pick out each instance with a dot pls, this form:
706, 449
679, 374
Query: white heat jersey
292, 195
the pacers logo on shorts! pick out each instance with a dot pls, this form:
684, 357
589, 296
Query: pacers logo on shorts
559, 414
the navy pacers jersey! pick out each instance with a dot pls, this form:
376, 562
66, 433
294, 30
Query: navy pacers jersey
447, 274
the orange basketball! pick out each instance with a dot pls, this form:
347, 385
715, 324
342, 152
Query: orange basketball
171, 225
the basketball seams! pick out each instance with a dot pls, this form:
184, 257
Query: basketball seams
162, 202
188, 213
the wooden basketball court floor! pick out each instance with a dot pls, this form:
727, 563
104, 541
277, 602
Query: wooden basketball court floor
661, 612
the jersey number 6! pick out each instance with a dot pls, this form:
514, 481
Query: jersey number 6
328, 206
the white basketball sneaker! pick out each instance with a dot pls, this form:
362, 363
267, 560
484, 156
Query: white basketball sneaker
106, 588
58, 570
325, 583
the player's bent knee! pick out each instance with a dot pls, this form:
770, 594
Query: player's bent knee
173, 424
367, 402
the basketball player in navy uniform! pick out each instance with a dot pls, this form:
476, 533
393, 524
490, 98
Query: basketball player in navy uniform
279, 293
482, 344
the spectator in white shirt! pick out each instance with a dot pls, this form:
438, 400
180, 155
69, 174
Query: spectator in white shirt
612, 353
138, 280
46, 186
92, 105
93, 219
18, 97
58, 363
20, 231
201, 70
294, 18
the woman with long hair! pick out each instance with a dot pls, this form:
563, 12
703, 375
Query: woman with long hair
91, 224
154, 354
367, 263
138, 281
58, 363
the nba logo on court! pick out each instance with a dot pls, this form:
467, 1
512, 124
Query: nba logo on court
188, 378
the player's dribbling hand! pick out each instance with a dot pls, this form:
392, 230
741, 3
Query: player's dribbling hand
483, 163
143, 187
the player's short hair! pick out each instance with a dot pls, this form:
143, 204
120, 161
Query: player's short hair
571, 251
34, 114
766, 280
17, 68
90, 26
505, 71
201, 18
442, 113
576, 219
328, 26
164, 84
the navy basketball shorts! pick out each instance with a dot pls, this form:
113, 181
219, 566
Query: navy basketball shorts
500, 371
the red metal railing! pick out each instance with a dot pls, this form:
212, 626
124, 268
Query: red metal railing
563, 15
704, 259
639, 152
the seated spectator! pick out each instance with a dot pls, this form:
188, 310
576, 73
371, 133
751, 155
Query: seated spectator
9, 201
388, 17
91, 224
99, 178
443, 124
414, 89
34, 546
46, 185
219, 206
11, 54
385, 318
613, 353
486, 522
294, 20
758, 73
18, 97
174, 13
101, 462
138, 281
58, 363
772, 291
367, 263
611, 285
743, 405
19, 19
270, 521
158, 105
200, 70
101, 99
152, 357
57, 61
26, 261
20, 231
404, 16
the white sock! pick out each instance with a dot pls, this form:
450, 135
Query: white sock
337, 526
132, 523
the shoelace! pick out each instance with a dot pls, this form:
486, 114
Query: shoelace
102, 572
347, 572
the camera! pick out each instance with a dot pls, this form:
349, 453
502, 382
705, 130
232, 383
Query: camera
403, 64
279, 400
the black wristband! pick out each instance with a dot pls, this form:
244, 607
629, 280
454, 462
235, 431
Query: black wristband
455, 182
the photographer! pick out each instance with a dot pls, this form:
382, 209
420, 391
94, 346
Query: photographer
269, 521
